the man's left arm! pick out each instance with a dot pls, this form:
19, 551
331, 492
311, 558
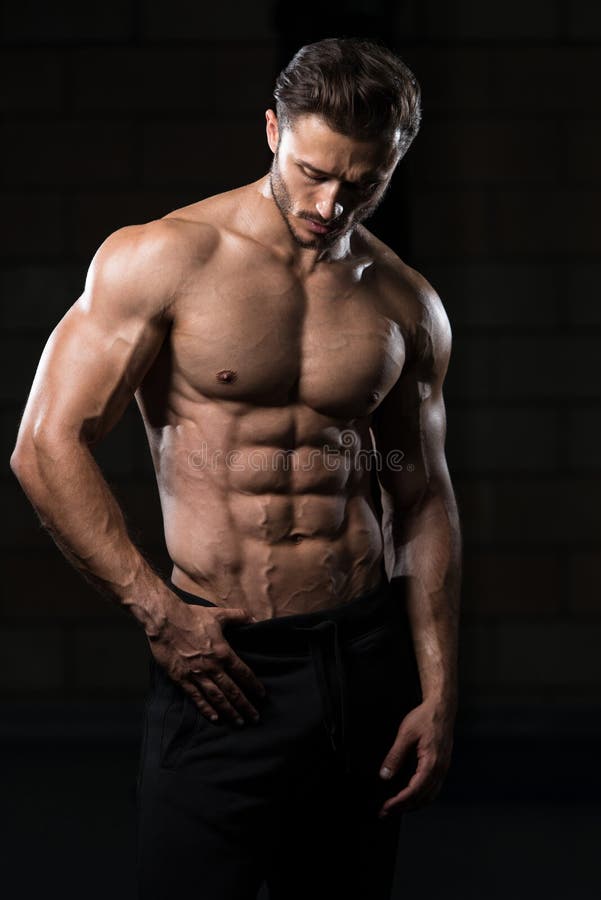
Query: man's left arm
422, 538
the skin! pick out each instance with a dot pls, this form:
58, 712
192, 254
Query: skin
262, 351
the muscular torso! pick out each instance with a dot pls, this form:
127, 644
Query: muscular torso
257, 410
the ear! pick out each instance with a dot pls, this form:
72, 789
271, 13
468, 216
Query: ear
272, 129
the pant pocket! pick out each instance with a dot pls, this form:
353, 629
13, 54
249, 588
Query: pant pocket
179, 723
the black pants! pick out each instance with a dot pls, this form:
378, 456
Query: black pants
293, 799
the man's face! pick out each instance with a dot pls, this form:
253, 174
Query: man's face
324, 183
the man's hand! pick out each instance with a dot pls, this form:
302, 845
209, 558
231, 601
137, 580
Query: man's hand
191, 648
429, 729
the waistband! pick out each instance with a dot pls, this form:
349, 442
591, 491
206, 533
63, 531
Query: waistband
352, 618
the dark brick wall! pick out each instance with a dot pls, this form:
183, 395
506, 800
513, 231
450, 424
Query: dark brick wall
504, 186
117, 112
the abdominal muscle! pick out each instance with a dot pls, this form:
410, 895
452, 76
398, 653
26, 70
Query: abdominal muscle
270, 530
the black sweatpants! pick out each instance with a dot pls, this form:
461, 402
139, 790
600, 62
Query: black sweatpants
293, 799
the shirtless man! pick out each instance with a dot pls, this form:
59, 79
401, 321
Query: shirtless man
271, 341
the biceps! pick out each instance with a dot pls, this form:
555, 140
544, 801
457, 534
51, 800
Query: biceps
411, 449
88, 373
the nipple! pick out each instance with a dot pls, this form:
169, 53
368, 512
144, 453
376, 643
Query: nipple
374, 397
226, 376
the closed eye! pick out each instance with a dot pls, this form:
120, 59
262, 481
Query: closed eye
314, 177
360, 188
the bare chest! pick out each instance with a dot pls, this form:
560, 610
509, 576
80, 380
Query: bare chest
262, 338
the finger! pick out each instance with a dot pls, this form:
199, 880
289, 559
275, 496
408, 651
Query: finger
242, 673
420, 784
225, 693
206, 709
219, 701
420, 801
419, 797
397, 754
223, 615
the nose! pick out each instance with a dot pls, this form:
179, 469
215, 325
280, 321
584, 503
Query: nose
329, 208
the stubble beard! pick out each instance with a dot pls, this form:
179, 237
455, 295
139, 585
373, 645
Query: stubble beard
283, 201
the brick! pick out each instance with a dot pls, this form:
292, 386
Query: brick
583, 151
107, 658
475, 501
545, 79
30, 79
76, 152
581, 304
554, 510
406, 19
128, 78
9, 425
584, 429
564, 654
185, 19
33, 224
66, 20
140, 503
471, 20
445, 224
486, 439
20, 357
510, 512
559, 223
43, 585
92, 216
22, 530
31, 660
500, 150
551, 367
512, 584
584, 581
209, 79
36, 296
115, 454
584, 18
469, 374
476, 650
198, 153
483, 294
450, 78
143, 463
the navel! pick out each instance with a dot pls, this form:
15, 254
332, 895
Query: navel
374, 397
226, 376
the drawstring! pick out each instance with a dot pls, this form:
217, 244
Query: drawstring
322, 657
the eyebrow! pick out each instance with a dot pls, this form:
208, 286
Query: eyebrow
368, 179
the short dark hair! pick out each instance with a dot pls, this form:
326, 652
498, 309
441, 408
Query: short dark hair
360, 88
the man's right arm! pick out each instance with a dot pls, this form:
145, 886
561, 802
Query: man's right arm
90, 369
91, 366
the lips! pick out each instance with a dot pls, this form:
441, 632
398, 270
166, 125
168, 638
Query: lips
319, 229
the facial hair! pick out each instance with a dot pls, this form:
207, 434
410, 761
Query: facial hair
283, 201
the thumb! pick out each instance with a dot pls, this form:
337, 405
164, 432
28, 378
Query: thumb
238, 615
397, 754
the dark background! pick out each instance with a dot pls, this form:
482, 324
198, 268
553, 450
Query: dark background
118, 112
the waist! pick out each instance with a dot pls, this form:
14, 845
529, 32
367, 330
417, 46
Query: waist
353, 618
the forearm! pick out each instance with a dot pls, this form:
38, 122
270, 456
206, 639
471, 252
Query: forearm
75, 504
427, 549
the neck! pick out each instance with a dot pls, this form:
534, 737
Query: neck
270, 226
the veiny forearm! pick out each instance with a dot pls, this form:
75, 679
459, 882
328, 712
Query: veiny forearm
427, 548
75, 504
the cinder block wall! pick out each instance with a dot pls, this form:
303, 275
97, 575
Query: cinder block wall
121, 115
114, 115
504, 181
